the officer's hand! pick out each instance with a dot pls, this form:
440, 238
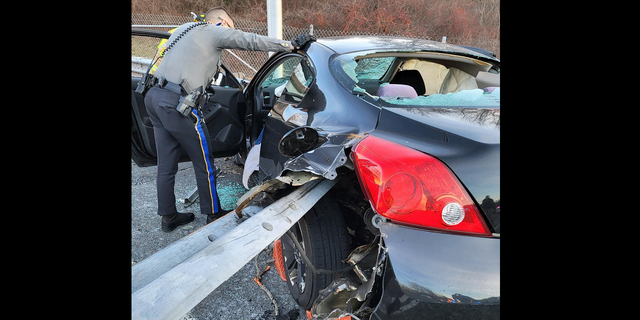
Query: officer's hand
302, 40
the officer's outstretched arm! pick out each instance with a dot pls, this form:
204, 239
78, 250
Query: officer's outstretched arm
225, 38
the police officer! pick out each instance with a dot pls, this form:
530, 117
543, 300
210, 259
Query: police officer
187, 68
163, 43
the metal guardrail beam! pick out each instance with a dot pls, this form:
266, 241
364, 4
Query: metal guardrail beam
139, 64
173, 293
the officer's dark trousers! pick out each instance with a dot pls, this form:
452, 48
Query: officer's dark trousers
172, 131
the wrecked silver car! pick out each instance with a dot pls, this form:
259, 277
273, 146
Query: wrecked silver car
411, 129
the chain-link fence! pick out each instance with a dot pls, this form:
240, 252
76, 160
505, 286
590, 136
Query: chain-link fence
246, 63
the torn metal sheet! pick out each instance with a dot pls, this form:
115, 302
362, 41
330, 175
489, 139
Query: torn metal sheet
249, 195
298, 178
358, 255
322, 161
332, 299
324, 150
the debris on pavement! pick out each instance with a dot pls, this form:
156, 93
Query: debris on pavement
257, 280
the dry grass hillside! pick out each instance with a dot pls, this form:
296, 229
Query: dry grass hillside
467, 22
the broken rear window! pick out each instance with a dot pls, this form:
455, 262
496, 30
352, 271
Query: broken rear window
419, 79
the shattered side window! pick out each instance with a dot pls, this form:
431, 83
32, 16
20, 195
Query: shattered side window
373, 68
290, 79
281, 74
349, 68
364, 69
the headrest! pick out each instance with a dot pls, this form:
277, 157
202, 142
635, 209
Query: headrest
412, 78
393, 91
486, 79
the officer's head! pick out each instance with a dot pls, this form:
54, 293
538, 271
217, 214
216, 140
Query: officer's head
220, 17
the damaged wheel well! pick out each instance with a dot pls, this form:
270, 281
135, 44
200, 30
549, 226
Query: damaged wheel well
354, 207
334, 256
357, 291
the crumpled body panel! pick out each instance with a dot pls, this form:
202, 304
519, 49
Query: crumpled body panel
339, 117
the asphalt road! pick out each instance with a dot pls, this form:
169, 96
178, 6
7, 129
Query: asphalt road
237, 298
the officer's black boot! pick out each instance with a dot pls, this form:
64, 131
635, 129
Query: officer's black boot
213, 217
171, 222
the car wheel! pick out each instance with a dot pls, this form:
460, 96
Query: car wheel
323, 235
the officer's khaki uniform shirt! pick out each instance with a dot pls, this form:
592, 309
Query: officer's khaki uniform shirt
195, 56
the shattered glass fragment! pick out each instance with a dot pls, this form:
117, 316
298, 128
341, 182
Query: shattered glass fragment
464, 98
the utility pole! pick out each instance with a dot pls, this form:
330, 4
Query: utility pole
274, 23
274, 18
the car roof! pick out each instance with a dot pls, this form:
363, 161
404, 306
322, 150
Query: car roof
349, 44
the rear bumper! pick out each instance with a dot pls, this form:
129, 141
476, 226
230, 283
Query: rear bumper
431, 275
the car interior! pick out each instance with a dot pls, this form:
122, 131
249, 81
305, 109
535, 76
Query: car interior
423, 73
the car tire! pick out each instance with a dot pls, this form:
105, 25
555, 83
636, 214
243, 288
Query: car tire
322, 233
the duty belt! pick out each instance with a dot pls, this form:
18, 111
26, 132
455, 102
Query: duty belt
171, 86
188, 100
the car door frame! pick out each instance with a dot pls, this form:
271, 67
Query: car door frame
254, 109
142, 140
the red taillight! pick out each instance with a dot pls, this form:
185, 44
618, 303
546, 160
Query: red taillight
411, 187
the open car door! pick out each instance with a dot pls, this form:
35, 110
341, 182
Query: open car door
224, 112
